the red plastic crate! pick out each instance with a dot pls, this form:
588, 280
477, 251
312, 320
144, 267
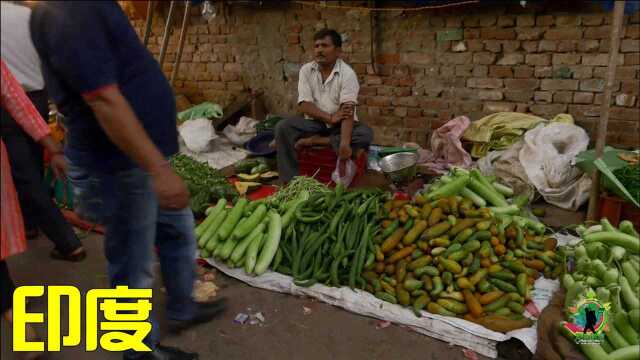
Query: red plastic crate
615, 210
323, 161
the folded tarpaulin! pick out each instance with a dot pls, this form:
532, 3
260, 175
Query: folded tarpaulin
501, 130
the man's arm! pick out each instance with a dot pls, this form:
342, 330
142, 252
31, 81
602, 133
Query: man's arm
309, 108
121, 125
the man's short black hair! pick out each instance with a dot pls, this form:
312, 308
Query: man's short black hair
336, 39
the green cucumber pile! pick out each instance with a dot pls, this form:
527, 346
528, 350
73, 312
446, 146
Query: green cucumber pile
607, 263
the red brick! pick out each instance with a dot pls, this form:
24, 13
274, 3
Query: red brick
630, 87
511, 59
548, 109
416, 123
506, 21
530, 46
521, 84
404, 81
235, 86
563, 34
543, 96
596, 85
498, 34
548, 45
488, 95
538, 59
296, 28
582, 72
588, 45
493, 46
526, 20
400, 111
583, 97
410, 101
385, 90
592, 20
529, 33
598, 59
493, 107
509, 46
497, 71
480, 71
597, 33
456, 58
475, 45
435, 104
231, 67
632, 31
566, 59
485, 58
464, 70
629, 140
373, 80
293, 39
628, 45
523, 72
388, 58
622, 113
414, 112
567, 20
487, 20
545, 20
402, 91
417, 58
543, 71
525, 95
470, 34
567, 45
556, 84
471, 21
379, 101
229, 76
583, 111
484, 83
368, 90
632, 59
562, 97
453, 22
522, 108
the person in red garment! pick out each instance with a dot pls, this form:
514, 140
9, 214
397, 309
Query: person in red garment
13, 240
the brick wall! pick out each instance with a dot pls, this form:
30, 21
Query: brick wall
427, 67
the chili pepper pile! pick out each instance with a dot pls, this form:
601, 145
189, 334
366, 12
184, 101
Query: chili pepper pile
606, 265
444, 254
328, 237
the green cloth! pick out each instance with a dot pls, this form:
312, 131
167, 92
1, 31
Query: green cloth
501, 130
205, 110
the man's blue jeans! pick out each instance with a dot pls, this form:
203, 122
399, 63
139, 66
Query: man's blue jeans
134, 223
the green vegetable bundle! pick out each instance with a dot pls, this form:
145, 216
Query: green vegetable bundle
204, 182
607, 262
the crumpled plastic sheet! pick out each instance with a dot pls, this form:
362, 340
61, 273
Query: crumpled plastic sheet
222, 153
446, 148
449, 329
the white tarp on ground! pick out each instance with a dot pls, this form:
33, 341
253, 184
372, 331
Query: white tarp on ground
452, 330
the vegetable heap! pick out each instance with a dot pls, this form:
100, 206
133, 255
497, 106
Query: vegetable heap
607, 262
629, 176
444, 253
246, 235
204, 182
329, 237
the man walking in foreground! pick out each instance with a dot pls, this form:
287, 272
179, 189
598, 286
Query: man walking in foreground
121, 128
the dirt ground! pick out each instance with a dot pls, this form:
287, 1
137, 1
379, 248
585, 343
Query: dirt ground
294, 328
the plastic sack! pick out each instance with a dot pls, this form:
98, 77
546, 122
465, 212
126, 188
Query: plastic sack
446, 149
197, 134
242, 132
547, 155
349, 173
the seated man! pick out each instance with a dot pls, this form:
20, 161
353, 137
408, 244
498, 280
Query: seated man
327, 96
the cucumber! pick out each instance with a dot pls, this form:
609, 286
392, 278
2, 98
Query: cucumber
271, 243
212, 213
241, 248
252, 254
209, 238
232, 220
250, 224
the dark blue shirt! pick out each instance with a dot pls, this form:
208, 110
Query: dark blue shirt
84, 47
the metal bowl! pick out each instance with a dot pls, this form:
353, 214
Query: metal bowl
399, 167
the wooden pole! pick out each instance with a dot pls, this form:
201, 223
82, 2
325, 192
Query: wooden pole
601, 135
165, 36
147, 27
183, 35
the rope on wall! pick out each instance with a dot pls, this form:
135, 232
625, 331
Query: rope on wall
323, 4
